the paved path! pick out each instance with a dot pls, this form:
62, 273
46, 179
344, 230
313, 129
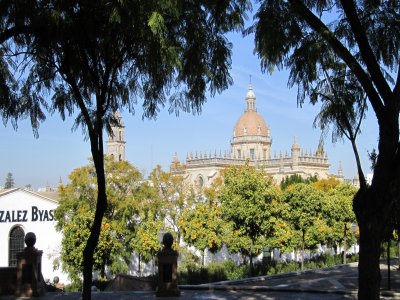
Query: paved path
331, 283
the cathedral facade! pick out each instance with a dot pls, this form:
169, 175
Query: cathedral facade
252, 142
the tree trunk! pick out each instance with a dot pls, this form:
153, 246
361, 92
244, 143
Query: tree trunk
388, 264
302, 251
103, 272
101, 206
251, 266
139, 269
368, 267
374, 205
251, 259
344, 245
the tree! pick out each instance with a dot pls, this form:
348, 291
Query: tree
338, 213
292, 179
74, 217
245, 199
203, 227
9, 183
108, 253
284, 238
353, 51
150, 221
176, 195
305, 204
159, 51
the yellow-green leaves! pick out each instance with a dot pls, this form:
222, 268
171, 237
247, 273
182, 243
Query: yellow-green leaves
156, 24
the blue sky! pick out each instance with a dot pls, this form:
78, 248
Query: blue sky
58, 150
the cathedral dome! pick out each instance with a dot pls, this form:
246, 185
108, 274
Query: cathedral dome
251, 123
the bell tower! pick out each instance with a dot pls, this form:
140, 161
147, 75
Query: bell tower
116, 139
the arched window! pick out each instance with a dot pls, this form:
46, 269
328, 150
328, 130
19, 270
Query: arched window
16, 244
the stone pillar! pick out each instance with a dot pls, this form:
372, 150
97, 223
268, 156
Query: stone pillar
29, 270
167, 269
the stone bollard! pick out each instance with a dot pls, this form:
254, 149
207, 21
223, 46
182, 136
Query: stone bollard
167, 269
29, 269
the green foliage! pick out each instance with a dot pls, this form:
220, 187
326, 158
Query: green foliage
246, 200
175, 195
74, 217
183, 54
203, 227
338, 212
221, 271
229, 270
107, 253
146, 242
292, 179
304, 204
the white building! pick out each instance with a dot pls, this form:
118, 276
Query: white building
23, 211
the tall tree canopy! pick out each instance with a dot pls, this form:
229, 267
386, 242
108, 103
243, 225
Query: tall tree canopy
246, 199
338, 212
305, 203
345, 54
97, 57
74, 217
203, 227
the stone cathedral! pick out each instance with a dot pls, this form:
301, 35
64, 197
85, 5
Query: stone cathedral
252, 141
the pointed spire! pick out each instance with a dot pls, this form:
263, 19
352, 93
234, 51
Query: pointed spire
295, 144
340, 170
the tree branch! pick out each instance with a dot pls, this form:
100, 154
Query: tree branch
366, 51
12, 32
318, 26
396, 90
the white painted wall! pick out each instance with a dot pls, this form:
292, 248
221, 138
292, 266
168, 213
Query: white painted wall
34, 213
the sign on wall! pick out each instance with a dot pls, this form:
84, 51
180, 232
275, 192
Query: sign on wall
34, 214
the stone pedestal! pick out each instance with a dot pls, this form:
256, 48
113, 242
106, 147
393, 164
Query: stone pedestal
167, 269
30, 281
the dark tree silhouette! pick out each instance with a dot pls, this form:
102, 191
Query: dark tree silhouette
357, 50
